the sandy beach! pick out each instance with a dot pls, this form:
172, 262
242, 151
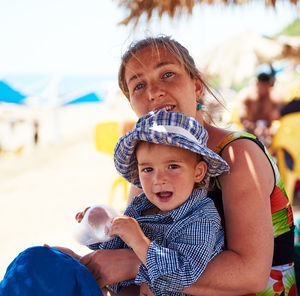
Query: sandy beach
42, 189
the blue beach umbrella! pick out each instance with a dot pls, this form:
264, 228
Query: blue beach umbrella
10, 95
88, 98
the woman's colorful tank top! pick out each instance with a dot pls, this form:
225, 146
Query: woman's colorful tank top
282, 278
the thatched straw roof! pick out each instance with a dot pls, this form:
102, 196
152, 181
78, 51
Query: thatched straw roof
236, 58
175, 7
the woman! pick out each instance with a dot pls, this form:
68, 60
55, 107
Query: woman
159, 73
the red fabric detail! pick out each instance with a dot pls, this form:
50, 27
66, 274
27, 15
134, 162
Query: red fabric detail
277, 276
278, 200
293, 291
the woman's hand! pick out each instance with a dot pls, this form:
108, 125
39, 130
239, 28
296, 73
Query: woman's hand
111, 266
66, 250
145, 290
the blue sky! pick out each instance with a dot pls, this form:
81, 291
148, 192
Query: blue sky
81, 37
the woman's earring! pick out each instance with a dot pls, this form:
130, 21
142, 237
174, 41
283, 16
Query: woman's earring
199, 106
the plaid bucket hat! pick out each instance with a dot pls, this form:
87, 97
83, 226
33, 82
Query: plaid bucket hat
167, 128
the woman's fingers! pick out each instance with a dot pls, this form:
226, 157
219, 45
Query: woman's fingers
111, 266
65, 250
90, 262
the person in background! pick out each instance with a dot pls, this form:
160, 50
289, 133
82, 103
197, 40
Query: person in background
261, 107
36, 128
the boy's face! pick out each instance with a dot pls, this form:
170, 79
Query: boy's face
168, 173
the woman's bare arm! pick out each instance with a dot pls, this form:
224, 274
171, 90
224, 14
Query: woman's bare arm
245, 267
111, 266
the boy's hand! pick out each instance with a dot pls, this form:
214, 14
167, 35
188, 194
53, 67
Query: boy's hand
129, 230
79, 216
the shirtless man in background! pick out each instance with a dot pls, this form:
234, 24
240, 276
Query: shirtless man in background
260, 108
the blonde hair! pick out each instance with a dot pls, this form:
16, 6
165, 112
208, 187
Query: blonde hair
181, 54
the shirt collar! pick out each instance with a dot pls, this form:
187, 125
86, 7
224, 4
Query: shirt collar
141, 203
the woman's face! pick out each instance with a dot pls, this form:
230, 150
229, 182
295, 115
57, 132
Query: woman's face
156, 80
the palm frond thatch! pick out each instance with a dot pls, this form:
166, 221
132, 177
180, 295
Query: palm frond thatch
174, 7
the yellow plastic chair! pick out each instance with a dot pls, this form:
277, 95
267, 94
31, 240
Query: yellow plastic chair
106, 136
235, 117
286, 143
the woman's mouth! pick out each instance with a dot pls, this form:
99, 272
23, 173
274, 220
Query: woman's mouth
166, 108
164, 196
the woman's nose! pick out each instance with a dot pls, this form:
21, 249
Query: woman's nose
155, 92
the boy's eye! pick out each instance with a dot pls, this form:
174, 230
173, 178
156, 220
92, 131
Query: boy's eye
168, 74
173, 166
147, 170
139, 86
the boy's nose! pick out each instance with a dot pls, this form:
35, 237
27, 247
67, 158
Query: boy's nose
158, 181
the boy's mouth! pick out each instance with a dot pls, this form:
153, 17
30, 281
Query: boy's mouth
164, 196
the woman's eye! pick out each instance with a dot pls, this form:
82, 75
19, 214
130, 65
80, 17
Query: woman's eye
173, 166
168, 74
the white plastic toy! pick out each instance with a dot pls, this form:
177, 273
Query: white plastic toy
95, 225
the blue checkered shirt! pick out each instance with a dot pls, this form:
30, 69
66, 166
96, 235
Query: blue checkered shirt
183, 241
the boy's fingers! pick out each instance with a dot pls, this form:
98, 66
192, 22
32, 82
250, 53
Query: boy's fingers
79, 216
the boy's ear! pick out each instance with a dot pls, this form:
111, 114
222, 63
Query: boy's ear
200, 171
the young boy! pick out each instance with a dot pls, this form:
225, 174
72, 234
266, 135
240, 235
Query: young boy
172, 226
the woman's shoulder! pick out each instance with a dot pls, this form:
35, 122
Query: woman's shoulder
241, 143
245, 145
235, 146
248, 159
219, 138
240, 137
239, 147
215, 136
